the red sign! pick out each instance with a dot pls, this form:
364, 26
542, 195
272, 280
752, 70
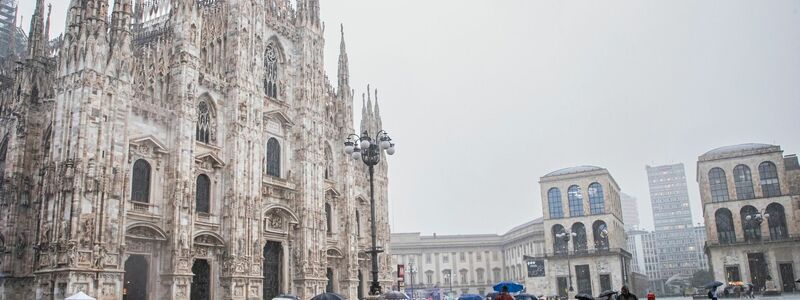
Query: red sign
401, 272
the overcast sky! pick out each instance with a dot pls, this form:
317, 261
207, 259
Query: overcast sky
485, 97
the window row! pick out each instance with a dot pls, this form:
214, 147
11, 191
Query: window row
141, 181
577, 234
743, 182
751, 220
575, 201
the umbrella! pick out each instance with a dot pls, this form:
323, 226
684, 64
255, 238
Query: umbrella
607, 293
798, 281
584, 297
328, 296
395, 295
286, 297
526, 297
80, 296
513, 287
714, 284
470, 297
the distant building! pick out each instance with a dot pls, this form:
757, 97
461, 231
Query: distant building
630, 211
8, 26
470, 263
644, 249
751, 207
679, 256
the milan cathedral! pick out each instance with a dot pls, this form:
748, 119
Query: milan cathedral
183, 149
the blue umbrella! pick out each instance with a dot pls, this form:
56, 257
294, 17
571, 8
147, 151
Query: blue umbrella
513, 287
470, 297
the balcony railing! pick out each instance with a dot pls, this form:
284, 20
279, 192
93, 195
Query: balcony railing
579, 253
763, 240
142, 207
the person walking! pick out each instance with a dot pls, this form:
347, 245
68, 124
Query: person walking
626, 294
712, 294
504, 295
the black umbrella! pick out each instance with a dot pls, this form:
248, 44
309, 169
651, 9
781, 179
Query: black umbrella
714, 284
328, 296
608, 293
525, 297
394, 295
798, 281
584, 297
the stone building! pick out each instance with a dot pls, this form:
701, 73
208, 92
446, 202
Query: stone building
583, 204
751, 206
184, 149
476, 261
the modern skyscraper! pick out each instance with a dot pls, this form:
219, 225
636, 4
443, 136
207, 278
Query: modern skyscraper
630, 211
678, 254
669, 197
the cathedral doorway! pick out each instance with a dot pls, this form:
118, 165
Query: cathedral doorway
201, 288
329, 287
273, 255
135, 284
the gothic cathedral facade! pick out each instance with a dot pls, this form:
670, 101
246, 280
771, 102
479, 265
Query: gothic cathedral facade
184, 149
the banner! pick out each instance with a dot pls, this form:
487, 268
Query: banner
536, 268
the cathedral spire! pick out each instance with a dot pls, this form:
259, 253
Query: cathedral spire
121, 22
344, 68
363, 113
36, 35
377, 114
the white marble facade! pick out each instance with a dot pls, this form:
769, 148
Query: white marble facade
193, 148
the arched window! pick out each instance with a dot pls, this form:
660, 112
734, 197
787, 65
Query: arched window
752, 230
579, 242
744, 183
777, 222
575, 198
559, 244
328, 218
719, 185
328, 162
554, 203
770, 187
358, 224
205, 122
271, 66
724, 221
597, 204
600, 232
203, 194
273, 158
140, 188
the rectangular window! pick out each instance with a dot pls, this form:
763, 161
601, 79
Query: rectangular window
445, 259
605, 282
478, 256
427, 258
462, 257
732, 273
584, 279
561, 283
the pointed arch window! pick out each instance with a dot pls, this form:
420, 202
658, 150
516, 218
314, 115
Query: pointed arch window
752, 230
718, 184
597, 203
776, 221
328, 162
271, 68
203, 194
744, 183
140, 187
575, 201
273, 158
724, 221
554, 203
205, 122
328, 218
770, 187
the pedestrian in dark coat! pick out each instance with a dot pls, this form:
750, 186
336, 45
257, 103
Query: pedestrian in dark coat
626, 294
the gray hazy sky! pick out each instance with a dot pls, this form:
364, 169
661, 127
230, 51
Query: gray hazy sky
485, 97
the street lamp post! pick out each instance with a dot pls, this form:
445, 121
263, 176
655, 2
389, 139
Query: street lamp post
412, 270
369, 152
566, 236
757, 218
450, 277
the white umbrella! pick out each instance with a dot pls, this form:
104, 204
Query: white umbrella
80, 296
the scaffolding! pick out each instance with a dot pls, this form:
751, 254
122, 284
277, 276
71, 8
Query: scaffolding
8, 27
